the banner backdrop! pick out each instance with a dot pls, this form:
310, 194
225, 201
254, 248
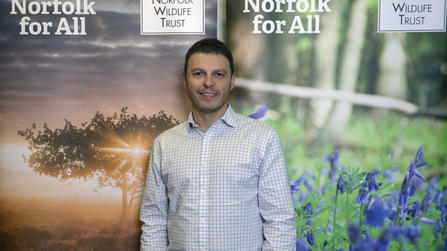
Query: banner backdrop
340, 95
351, 105
64, 63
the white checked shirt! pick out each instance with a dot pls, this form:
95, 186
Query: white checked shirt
224, 189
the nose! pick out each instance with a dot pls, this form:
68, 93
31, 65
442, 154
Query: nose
208, 81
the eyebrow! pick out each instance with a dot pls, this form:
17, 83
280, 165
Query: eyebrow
201, 69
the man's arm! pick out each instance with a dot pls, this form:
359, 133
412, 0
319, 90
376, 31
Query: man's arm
275, 199
154, 207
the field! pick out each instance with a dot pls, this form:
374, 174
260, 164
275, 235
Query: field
48, 224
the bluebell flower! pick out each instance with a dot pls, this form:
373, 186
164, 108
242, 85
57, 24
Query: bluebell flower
403, 199
414, 172
330, 227
388, 174
369, 243
413, 188
438, 198
354, 233
310, 238
410, 233
428, 199
307, 173
392, 208
301, 245
310, 235
373, 185
428, 221
333, 159
415, 209
377, 213
259, 113
295, 186
419, 156
363, 197
310, 186
301, 198
376, 171
325, 171
343, 182
308, 209
323, 190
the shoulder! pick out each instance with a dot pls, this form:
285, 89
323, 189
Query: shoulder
255, 127
172, 133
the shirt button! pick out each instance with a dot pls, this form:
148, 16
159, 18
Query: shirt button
202, 220
203, 191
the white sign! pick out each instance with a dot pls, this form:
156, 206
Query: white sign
164, 17
412, 16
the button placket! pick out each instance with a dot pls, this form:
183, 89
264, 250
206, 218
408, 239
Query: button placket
203, 186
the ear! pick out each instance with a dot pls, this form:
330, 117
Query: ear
185, 84
233, 80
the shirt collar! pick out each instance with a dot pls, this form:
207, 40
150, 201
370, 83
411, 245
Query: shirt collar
229, 118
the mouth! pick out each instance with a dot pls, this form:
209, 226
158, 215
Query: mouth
207, 95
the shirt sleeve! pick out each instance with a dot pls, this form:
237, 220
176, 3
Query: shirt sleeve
154, 207
275, 199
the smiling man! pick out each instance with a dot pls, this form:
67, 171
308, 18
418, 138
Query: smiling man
218, 181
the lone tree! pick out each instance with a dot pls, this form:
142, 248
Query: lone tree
113, 150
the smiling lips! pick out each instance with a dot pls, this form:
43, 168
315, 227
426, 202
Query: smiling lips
207, 95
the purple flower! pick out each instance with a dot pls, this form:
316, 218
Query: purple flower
391, 209
411, 233
295, 186
419, 156
259, 113
343, 182
377, 213
363, 197
416, 207
428, 221
438, 198
330, 227
308, 209
333, 160
309, 235
388, 174
310, 238
354, 233
413, 188
301, 245
376, 171
373, 185
370, 243
325, 171
301, 198
310, 186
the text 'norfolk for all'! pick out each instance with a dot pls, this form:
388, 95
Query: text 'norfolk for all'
52, 8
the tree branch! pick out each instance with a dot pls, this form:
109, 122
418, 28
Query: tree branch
337, 95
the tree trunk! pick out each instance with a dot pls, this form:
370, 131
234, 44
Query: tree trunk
125, 208
392, 81
350, 67
325, 61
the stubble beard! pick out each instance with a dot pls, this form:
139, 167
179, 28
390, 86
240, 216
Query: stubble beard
193, 96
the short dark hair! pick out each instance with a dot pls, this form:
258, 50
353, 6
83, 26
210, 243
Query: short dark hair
210, 46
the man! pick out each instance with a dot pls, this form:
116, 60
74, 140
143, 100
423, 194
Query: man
219, 180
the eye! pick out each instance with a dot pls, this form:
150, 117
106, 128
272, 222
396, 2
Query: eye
198, 73
219, 74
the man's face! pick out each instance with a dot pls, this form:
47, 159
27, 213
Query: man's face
209, 81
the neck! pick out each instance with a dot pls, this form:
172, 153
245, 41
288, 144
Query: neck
206, 120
